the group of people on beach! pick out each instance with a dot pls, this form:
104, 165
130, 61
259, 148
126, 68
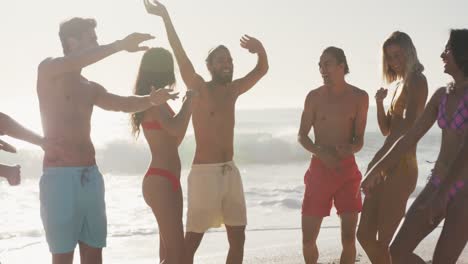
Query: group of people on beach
337, 112
72, 200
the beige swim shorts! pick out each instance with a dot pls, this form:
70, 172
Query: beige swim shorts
215, 197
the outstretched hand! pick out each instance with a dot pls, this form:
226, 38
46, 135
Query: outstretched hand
251, 44
160, 96
155, 7
7, 147
373, 178
132, 42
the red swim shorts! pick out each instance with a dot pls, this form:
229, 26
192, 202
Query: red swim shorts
324, 186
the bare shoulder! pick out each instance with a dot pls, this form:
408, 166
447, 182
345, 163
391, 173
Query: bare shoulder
203, 86
418, 81
418, 77
3, 118
315, 94
46, 63
361, 95
44, 75
312, 99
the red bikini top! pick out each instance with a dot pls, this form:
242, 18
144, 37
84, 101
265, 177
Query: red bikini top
155, 124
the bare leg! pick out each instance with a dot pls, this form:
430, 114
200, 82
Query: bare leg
90, 255
192, 241
162, 248
454, 235
236, 238
310, 230
396, 191
367, 230
415, 228
66, 258
167, 208
348, 237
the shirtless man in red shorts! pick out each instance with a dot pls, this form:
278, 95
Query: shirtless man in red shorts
337, 111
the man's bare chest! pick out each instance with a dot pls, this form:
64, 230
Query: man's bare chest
335, 113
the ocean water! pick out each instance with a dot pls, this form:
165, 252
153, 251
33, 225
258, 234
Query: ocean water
272, 164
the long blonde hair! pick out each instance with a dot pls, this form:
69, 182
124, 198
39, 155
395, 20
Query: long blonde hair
413, 66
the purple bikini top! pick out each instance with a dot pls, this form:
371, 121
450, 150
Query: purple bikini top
459, 119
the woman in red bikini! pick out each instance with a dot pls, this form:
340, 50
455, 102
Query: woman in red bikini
449, 107
164, 131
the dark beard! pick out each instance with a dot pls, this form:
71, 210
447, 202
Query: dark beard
219, 79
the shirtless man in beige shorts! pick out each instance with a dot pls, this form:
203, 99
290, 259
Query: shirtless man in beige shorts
215, 192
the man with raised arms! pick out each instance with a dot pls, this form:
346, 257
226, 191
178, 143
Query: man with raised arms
215, 192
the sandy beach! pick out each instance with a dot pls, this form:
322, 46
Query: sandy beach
288, 76
280, 246
272, 168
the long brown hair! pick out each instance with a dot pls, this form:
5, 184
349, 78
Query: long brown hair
156, 70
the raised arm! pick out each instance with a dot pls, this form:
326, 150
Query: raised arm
176, 125
75, 61
191, 79
382, 118
253, 45
131, 104
405, 143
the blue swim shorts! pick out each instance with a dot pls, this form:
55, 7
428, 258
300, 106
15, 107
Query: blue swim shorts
73, 208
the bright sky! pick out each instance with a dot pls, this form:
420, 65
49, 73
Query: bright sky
294, 33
